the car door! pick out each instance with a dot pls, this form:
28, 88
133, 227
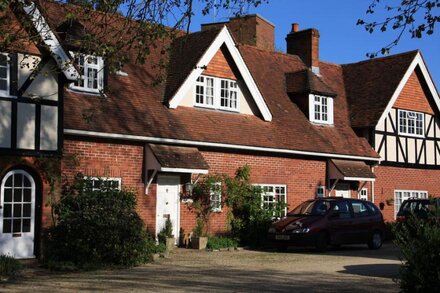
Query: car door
362, 222
340, 223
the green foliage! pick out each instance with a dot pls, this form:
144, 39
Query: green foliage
419, 242
166, 232
248, 219
221, 242
9, 266
199, 229
96, 228
418, 18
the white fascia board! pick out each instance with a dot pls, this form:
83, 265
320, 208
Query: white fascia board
149, 139
418, 61
184, 170
62, 59
224, 37
359, 179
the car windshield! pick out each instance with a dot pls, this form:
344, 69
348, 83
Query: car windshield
312, 208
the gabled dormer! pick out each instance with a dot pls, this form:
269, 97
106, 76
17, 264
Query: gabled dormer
312, 95
214, 76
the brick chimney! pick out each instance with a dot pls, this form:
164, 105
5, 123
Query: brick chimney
305, 44
251, 30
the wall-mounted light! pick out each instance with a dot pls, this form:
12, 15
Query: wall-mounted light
189, 188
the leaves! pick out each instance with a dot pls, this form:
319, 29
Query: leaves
416, 17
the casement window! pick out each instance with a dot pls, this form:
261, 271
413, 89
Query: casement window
102, 183
4, 75
216, 198
273, 194
363, 194
411, 123
401, 195
216, 93
91, 69
321, 109
320, 191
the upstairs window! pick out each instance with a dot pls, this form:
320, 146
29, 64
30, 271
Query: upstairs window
411, 123
91, 69
216, 93
321, 109
320, 191
4, 75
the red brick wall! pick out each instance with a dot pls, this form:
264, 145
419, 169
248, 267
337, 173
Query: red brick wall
220, 67
392, 178
413, 96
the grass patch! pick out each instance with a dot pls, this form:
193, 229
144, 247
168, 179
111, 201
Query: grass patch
221, 242
9, 266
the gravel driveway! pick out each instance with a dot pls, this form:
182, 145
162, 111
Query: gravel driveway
349, 269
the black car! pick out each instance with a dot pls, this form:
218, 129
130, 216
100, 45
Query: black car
329, 221
422, 208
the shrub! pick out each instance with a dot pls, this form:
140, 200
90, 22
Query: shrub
96, 228
9, 266
419, 242
166, 232
221, 242
199, 229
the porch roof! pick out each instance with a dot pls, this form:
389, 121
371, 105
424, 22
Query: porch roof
176, 159
350, 170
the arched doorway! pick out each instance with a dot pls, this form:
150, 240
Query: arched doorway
17, 214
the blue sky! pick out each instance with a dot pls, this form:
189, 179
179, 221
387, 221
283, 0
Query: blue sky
342, 41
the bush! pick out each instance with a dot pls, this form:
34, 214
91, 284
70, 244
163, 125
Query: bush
9, 266
166, 232
419, 242
221, 242
96, 228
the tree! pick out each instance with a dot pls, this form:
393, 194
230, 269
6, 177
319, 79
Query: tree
417, 17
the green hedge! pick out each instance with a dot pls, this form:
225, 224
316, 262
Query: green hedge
221, 242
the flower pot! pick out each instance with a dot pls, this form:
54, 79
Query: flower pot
199, 242
169, 243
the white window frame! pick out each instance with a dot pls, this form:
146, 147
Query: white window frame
314, 105
6, 92
86, 67
273, 194
401, 195
363, 193
217, 93
407, 119
320, 191
95, 178
216, 204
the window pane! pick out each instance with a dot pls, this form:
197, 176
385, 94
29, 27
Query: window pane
7, 213
8, 195
18, 195
3, 72
8, 182
3, 60
27, 210
7, 226
26, 225
27, 195
17, 210
16, 226
18, 180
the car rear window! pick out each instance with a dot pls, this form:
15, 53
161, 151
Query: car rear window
374, 210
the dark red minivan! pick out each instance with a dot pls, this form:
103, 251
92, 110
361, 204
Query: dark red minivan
329, 221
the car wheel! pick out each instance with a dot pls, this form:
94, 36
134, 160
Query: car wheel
375, 240
322, 242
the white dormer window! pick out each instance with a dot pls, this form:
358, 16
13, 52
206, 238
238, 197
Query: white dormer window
320, 109
91, 69
4, 75
216, 93
411, 123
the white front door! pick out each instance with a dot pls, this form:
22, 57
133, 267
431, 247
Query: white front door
168, 203
343, 190
17, 214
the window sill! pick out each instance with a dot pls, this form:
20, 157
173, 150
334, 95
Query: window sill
82, 91
411, 135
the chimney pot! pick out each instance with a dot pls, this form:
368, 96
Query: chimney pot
295, 27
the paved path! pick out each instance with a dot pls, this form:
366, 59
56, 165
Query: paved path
352, 269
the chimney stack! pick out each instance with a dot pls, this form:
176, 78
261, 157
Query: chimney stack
251, 30
305, 44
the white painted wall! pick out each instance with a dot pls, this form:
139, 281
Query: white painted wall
49, 128
5, 124
25, 126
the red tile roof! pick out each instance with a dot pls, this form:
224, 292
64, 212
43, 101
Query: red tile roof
356, 169
370, 85
306, 81
134, 104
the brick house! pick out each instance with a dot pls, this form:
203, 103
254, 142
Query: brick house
307, 128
